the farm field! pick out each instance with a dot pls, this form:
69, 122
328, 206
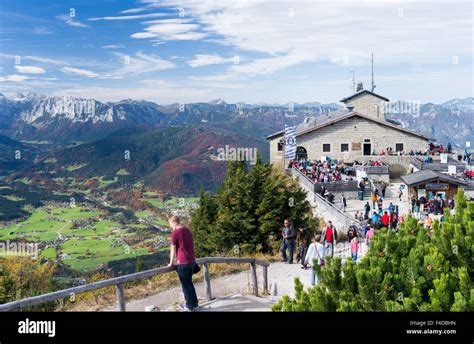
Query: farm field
82, 238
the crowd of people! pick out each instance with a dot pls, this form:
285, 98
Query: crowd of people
430, 205
323, 171
315, 249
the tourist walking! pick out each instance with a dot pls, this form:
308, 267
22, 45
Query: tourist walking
367, 210
289, 234
315, 254
386, 219
329, 236
343, 203
374, 199
354, 248
383, 190
303, 240
182, 255
369, 236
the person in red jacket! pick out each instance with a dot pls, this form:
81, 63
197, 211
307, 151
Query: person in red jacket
386, 219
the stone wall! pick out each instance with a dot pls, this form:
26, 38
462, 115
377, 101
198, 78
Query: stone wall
368, 105
276, 157
354, 131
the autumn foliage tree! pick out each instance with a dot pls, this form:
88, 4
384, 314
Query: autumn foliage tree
22, 277
412, 270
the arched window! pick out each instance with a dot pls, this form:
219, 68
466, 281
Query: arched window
301, 153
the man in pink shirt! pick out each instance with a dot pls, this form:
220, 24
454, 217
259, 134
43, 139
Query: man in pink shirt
182, 250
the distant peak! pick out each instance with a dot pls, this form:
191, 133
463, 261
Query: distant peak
218, 101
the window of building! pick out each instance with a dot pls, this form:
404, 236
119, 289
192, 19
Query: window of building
366, 140
398, 147
344, 147
280, 147
326, 147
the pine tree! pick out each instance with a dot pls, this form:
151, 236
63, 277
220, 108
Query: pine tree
202, 224
412, 270
248, 210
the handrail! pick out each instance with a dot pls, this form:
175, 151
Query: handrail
346, 217
120, 281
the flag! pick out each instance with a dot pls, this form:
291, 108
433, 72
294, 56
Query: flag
290, 142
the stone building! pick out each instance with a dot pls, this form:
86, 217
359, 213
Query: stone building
358, 133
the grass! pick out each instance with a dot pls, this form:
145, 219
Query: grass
75, 167
14, 198
122, 172
104, 182
86, 247
173, 203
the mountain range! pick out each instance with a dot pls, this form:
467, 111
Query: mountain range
171, 146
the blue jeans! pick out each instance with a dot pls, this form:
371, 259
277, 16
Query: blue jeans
290, 246
329, 246
314, 277
185, 273
354, 256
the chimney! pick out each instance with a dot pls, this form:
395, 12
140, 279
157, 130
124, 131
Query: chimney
360, 86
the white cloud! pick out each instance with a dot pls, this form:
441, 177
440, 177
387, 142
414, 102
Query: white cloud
134, 10
113, 46
14, 77
139, 16
77, 71
171, 30
30, 70
323, 31
140, 63
41, 30
206, 60
71, 21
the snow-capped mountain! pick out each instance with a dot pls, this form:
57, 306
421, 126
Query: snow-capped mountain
65, 119
451, 121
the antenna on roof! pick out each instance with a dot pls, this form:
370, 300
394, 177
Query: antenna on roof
353, 85
372, 68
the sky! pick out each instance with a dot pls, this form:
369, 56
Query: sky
249, 51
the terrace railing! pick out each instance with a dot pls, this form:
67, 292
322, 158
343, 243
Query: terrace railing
378, 170
332, 210
119, 283
336, 186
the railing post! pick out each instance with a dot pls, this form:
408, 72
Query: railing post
254, 278
265, 280
207, 282
120, 292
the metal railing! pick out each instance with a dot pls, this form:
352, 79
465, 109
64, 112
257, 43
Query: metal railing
336, 186
119, 283
329, 207
373, 169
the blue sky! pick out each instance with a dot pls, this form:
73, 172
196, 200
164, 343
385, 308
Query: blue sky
251, 51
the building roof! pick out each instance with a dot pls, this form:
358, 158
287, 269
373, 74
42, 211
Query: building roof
429, 175
364, 92
319, 122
